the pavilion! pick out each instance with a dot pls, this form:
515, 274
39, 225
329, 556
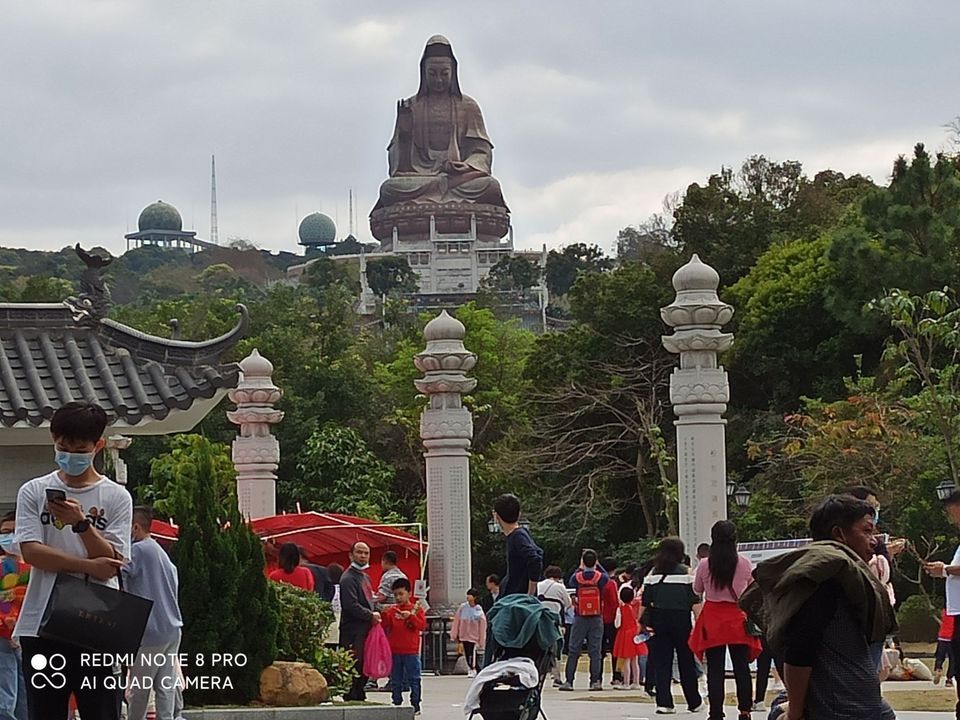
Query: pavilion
54, 353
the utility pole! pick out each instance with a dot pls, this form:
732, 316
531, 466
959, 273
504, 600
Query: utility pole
214, 231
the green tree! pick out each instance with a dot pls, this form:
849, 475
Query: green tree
324, 272
733, 219
788, 344
905, 236
38, 289
928, 357
512, 274
390, 275
337, 472
644, 242
175, 475
565, 266
212, 562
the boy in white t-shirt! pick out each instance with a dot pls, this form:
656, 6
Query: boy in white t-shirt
84, 531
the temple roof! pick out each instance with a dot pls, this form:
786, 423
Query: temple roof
54, 353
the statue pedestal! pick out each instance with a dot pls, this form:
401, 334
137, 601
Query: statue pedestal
428, 220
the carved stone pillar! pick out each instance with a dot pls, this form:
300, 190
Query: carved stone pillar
446, 428
116, 443
699, 392
256, 452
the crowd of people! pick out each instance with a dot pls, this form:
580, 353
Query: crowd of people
818, 617
821, 614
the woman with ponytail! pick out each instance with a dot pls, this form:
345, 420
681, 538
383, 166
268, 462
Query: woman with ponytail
721, 579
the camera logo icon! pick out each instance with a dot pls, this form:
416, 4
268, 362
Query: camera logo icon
53, 678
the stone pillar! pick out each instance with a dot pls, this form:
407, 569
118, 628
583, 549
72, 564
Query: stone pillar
446, 428
116, 443
699, 392
256, 452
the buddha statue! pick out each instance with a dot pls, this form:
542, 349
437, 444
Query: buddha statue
440, 151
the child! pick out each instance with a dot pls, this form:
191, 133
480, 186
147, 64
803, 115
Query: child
403, 624
944, 651
626, 647
470, 630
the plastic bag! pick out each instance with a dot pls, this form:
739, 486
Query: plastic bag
377, 658
916, 670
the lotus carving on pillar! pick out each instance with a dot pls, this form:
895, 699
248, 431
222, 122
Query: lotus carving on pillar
701, 314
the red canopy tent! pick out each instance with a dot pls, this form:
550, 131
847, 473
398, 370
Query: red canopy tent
326, 538
164, 533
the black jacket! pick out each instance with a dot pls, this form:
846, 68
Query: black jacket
355, 592
322, 583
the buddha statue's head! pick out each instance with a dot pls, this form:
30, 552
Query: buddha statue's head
438, 69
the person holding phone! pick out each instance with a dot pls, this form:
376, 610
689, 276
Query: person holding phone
77, 521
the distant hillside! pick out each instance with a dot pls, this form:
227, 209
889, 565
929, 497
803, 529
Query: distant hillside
34, 275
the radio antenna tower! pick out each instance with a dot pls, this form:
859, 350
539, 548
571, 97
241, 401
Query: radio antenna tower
351, 211
214, 231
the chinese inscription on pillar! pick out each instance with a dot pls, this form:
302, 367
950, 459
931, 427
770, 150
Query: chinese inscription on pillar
446, 429
699, 393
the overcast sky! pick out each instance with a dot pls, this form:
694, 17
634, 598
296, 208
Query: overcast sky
596, 109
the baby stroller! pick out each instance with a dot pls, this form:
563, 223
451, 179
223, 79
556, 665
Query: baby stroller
521, 643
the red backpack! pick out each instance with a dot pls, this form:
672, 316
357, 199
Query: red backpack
588, 594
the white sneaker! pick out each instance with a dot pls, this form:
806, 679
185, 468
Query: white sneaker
758, 707
666, 711
471, 673
634, 687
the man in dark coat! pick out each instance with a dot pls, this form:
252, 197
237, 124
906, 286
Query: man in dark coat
357, 614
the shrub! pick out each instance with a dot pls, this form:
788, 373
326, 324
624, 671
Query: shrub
918, 620
338, 668
304, 621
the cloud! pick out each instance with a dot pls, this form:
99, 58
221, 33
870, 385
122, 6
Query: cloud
596, 111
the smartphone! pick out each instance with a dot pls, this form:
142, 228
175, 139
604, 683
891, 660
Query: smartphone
56, 495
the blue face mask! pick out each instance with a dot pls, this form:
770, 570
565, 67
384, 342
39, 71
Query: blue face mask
6, 542
73, 464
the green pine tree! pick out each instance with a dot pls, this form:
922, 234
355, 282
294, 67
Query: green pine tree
225, 600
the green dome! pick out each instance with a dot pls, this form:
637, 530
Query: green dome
160, 216
317, 229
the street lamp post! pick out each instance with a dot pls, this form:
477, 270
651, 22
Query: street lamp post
945, 489
742, 497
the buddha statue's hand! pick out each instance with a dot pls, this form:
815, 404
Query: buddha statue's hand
456, 167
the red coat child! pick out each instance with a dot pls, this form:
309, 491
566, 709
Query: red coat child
624, 646
403, 625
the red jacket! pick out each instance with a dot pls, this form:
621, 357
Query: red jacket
404, 634
609, 601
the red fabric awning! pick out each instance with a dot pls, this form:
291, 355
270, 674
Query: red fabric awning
163, 532
326, 538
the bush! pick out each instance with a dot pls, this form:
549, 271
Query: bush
304, 619
304, 622
338, 668
918, 620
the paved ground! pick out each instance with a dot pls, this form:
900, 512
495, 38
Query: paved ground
443, 698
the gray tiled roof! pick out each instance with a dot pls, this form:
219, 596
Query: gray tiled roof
51, 357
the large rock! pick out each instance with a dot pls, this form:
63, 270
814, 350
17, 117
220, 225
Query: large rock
292, 684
